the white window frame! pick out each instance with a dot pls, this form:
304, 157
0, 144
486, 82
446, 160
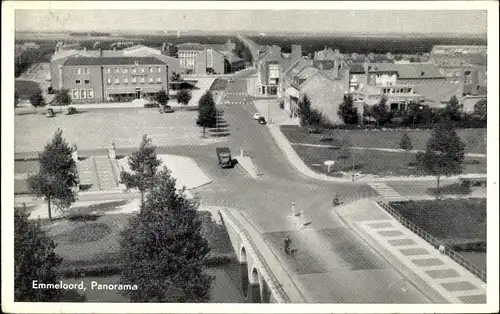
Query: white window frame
158, 79
143, 80
85, 70
83, 94
158, 69
150, 79
142, 69
134, 79
90, 93
107, 70
109, 80
150, 69
75, 94
124, 70
134, 70
117, 80
125, 80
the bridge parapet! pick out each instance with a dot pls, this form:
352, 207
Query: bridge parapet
247, 246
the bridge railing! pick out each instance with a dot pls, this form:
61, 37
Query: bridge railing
458, 258
274, 284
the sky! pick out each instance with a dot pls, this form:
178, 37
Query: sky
373, 21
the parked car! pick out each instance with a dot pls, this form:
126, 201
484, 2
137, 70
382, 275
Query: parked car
70, 110
230, 80
262, 120
50, 113
256, 116
224, 157
166, 109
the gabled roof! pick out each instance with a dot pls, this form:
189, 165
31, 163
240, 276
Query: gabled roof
438, 91
138, 47
271, 53
113, 61
356, 68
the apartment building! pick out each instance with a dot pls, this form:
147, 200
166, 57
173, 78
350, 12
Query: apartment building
100, 79
200, 58
269, 70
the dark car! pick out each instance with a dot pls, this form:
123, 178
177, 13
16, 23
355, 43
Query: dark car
261, 120
50, 113
70, 110
166, 109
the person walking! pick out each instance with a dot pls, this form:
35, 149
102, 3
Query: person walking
336, 200
287, 244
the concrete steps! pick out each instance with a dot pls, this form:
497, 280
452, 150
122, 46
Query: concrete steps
87, 173
105, 173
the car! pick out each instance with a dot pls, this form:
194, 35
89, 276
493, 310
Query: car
70, 110
167, 109
50, 113
262, 120
256, 116
230, 80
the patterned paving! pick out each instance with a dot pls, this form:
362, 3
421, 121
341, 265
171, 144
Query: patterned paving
443, 274
387, 192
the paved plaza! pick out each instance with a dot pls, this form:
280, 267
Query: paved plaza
96, 129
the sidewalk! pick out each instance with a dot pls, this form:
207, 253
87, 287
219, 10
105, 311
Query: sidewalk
415, 258
280, 117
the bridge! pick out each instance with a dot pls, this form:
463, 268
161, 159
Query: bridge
268, 280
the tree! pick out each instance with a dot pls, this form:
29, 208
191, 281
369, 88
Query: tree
444, 154
207, 114
34, 259
37, 100
406, 144
57, 175
62, 98
304, 110
176, 77
480, 108
347, 112
143, 164
381, 112
183, 97
16, 99
162, 249
162, 97
452, 110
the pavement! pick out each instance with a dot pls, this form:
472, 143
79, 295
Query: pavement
417, 259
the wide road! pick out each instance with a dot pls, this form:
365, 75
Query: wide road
332, 264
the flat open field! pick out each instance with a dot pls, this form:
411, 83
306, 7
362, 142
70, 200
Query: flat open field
98, 128
26, 88
461, 223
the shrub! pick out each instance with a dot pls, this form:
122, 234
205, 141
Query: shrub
282, 105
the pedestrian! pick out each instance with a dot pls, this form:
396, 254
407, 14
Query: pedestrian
287, 243
336, 200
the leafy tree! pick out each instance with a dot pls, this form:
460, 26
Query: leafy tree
444, 154
381, 112
347, 112
57, 175
162, 249
162, 97
242, 51
16, 99
34, 259
305, 110
62, 98
183, 97
207, 115
452, 110
143, 164
406, 144
37, 100
480, 108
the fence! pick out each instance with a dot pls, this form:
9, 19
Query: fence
435, 242
274, 281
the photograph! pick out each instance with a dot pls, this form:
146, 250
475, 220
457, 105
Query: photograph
314, 157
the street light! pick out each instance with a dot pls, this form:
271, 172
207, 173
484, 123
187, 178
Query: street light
268, 110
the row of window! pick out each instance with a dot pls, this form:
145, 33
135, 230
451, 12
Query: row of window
79, 71
133, 80
133, 70
82, 93
79, 82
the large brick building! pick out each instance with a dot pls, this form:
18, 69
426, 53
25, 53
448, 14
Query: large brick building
100, 79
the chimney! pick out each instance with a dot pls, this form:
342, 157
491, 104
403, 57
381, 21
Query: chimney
297, 51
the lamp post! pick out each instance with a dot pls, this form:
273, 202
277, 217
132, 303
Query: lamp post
268, 110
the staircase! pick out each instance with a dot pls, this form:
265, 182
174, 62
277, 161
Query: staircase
105, 174
87, 174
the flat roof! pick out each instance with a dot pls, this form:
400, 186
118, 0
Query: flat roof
113, 61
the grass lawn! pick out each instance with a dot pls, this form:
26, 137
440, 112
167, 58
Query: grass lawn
460, 223
474, 139
26, 88
373, 162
